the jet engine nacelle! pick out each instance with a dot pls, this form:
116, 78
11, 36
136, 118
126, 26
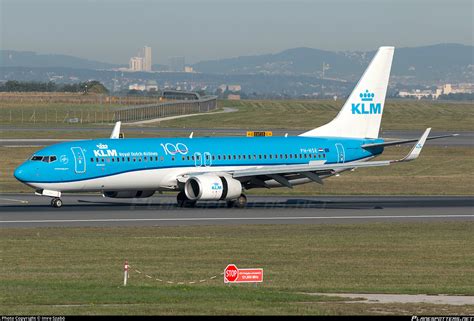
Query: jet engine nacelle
210, 187
128, 194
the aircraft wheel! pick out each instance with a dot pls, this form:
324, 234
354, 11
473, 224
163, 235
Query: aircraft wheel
183, 201
56, 202
241, 201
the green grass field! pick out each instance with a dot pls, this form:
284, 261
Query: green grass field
291, 114
438, 171
79, 270
257, 115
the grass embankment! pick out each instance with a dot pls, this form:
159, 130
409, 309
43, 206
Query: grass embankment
438, 171
255, 115
291, 114
79, 270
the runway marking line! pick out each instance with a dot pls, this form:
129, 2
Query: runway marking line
240, 218
13, 200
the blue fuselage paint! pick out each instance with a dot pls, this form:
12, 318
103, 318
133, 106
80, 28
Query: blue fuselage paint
90, 159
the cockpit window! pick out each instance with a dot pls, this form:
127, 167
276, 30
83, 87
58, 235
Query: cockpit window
46, 159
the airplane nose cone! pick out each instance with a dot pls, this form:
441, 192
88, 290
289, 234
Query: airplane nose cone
20, 173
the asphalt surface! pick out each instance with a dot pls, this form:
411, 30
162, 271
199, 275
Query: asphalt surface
465, 139
26, 210
403, 298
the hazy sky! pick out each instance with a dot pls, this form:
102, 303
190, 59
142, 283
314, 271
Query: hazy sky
113, 31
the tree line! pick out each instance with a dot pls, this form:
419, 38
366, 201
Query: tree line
86, 87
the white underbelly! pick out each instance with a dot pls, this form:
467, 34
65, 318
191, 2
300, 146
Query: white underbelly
147, 179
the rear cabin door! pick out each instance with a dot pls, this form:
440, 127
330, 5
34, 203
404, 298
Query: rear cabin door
341, 155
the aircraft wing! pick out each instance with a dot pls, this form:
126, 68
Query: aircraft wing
406, 141
313, 171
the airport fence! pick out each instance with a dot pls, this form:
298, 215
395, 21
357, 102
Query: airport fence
61, 113
41, 98
166, 109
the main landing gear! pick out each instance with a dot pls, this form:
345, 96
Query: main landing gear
184, 201
56, 202
240, 202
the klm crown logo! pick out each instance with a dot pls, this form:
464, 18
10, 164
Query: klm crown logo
367, 96
366, 109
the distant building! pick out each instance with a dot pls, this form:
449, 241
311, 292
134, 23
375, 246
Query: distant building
136, 64
417, 93
176, 64
151, 85
137, 87
142, 62
147, 58
446, 89
463, 88
233, 97
188, 69
234, 88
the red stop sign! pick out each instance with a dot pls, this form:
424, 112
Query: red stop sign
231, 273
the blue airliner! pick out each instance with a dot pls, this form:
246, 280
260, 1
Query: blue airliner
221, 168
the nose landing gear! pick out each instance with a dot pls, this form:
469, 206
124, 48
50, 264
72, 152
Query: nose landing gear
55, 196
56, 202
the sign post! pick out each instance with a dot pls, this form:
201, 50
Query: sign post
125, 273
234, 275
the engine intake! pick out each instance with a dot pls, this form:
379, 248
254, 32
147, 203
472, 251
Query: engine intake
212, 187
128, 194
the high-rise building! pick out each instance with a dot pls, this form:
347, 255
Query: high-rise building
136, 64
142, 62
147, 58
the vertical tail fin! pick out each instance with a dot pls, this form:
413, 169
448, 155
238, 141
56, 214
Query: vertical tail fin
361, 115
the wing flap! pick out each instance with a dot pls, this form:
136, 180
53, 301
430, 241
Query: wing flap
288, 169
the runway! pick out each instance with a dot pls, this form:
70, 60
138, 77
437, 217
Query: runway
21, 210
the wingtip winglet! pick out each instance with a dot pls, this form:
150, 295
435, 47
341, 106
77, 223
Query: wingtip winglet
116, 131
416, 150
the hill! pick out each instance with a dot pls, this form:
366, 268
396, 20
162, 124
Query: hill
434, 62
13, 58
